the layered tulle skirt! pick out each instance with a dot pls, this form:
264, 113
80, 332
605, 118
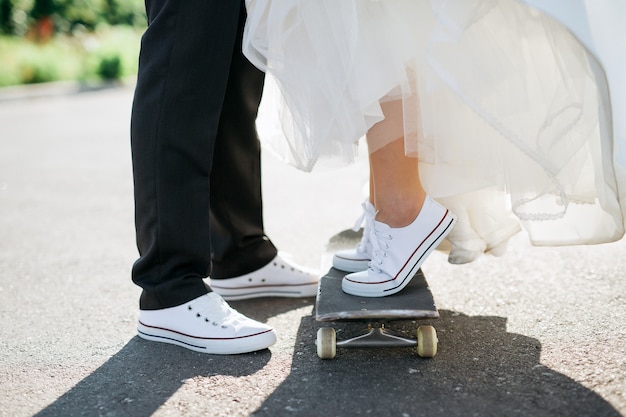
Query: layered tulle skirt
508, 111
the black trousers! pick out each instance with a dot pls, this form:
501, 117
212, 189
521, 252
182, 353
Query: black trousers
195, 152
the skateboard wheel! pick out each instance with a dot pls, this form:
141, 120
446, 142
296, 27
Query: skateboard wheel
326, 343
426, 341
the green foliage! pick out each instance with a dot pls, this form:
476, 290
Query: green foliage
18, 16
122, 12
110, 67
91, 13
38, 71
113, 54
49, 40
27, 62
110, 53
43, 8
6, 17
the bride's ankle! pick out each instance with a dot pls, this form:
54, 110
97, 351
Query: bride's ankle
399, 215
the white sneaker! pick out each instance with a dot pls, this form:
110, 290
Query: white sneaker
205, 324
279, 278
399, 252
358, 259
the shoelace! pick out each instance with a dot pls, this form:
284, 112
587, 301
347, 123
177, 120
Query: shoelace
224, 317
379, 248
366, 217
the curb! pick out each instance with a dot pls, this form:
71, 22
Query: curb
56, 89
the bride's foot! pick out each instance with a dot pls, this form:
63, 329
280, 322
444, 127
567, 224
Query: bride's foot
397, 253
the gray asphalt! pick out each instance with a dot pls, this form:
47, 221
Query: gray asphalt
537, 332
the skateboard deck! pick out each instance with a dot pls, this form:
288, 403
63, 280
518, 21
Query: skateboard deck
414, 302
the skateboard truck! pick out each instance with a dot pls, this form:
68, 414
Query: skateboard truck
415, 302
377, 337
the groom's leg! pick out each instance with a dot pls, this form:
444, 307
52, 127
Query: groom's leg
183, 72
245, 262
238, 239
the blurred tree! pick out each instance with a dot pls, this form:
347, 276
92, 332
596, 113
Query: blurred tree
42, 13
110, 68
85, 13
124, 12
43, 17
42, 8
6, 17
90, 13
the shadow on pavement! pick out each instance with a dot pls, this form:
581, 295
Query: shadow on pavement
263, 309
480, 370
143, 376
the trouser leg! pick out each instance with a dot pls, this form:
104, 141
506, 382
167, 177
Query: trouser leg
183, 72
238, 241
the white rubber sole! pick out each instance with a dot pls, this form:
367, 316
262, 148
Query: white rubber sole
215, 346
350, 265
258, 291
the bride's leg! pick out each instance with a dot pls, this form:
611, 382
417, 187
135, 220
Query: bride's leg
398, 194
408, 225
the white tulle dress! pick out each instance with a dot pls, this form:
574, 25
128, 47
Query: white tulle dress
511, 106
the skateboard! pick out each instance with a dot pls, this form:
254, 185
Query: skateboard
414, 302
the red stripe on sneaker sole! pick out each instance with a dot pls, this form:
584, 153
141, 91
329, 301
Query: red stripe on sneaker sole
417, 264
413, 253
198, 337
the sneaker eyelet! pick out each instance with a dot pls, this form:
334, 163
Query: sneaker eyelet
197, 314
189, 308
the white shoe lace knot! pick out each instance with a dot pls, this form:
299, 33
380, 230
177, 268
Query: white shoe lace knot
380, 246
367, 220
221, 315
